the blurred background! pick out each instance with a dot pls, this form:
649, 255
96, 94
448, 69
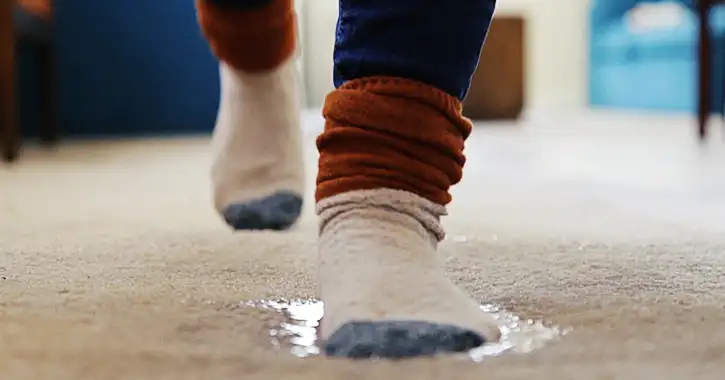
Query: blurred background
593, 195
86, 68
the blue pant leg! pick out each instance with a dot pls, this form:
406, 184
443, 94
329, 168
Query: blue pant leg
432, 41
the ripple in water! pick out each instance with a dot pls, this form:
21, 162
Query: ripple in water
302, 318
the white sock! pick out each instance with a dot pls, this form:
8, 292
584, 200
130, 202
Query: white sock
378, 262
258, 169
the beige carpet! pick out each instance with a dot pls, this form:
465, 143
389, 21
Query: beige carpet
113, 265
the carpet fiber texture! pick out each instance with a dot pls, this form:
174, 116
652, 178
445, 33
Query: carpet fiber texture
114, 265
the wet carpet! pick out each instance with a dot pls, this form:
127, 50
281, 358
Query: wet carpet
113, 264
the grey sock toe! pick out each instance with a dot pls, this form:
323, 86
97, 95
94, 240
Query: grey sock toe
278, 211
399, 339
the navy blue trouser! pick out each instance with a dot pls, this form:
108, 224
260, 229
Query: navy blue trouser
436, 42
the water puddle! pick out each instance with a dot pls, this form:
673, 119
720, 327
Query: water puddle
301, 318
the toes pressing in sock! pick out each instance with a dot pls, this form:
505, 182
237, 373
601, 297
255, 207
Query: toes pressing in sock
278, 212
389, 153
399, 339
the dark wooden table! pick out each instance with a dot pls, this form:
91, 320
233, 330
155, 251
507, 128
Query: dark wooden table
705, 70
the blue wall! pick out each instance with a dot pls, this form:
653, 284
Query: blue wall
129, 67
655, 70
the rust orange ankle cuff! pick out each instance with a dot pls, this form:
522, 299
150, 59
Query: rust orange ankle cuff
251, 40
384, 132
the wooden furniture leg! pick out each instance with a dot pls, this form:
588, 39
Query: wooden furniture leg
47, 81
704, 75
9, 130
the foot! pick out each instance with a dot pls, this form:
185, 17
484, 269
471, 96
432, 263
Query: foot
257, 172
278, 211
384, 288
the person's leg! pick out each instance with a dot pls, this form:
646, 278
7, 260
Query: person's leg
257, 172
391, 149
